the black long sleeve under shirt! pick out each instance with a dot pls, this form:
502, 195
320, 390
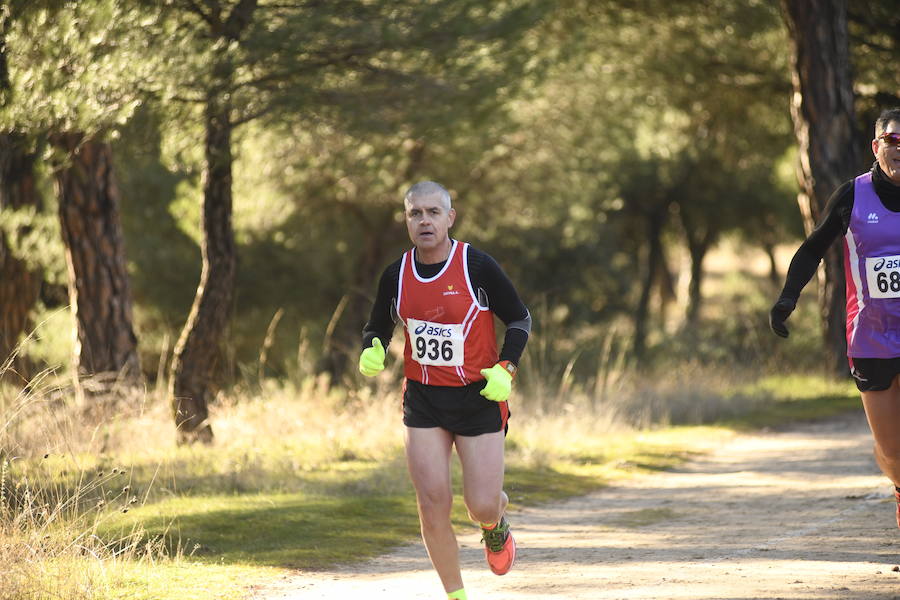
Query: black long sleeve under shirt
835, 223
489, 282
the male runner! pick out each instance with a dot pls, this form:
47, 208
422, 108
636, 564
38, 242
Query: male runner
446, 293
866, 210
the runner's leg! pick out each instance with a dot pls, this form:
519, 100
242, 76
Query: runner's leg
482, 465
428, 457
883, 414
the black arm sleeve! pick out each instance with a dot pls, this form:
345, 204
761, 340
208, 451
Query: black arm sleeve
381, 319
489, 279
808, 256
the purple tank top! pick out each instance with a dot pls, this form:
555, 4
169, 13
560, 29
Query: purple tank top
872, 269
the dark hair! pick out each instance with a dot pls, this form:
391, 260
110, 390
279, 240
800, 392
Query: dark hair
885, 118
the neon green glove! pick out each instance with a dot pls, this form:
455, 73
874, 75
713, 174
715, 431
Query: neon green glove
371, 361
499, 381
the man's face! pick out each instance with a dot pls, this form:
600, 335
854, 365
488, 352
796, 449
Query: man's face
887, 154
428, 221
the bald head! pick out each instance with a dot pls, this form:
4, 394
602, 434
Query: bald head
424, 189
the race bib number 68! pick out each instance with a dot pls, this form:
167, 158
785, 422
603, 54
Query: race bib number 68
883, 276
436, 344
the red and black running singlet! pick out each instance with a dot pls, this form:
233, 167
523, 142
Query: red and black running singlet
449, 336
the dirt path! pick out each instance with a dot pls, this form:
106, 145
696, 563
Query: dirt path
800, 513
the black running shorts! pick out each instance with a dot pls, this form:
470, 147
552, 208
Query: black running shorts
461, 410
874, 374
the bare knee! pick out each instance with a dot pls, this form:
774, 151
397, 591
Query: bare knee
434, 509
485, 509
888, 452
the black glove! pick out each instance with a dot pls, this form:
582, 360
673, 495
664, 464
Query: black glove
779, 314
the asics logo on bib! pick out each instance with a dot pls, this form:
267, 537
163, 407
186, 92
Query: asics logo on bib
882, 263
432, 330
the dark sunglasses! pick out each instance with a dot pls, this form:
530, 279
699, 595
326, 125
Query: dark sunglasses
891, 139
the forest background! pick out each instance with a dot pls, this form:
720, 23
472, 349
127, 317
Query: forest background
197, 197
598, 150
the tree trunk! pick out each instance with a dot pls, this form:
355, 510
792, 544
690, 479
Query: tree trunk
99, 291
19, 285
655, 221
774, 276
699, 238
823, 115
698, 249
198, 352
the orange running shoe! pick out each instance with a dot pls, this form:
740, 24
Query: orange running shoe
499, 547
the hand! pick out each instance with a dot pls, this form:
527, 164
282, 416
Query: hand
779, 314
371, 361
499, 383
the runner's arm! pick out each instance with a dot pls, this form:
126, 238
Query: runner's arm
488, 278
381, 319
808, 256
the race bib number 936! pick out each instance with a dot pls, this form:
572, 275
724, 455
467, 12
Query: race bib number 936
883, 276
436, 344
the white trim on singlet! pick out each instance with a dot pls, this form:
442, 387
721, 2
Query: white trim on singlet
400, 286
469, 319
462, 376
441, 272
853, 259
469, 281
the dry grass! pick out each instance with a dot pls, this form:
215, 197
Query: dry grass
68, 466
53, 499
50, 544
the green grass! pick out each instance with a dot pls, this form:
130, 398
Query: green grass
254, 505
795, 399
293, 530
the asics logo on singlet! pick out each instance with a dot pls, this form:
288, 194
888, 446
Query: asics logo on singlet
433, 331
883, 263
873, 217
